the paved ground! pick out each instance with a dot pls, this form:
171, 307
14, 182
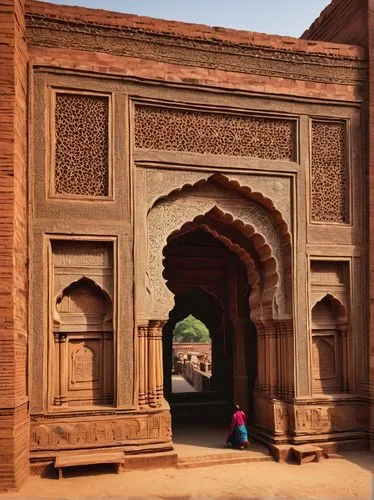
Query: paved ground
341, 479
179, 384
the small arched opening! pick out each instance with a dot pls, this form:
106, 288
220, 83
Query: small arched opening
329, 328
83, 345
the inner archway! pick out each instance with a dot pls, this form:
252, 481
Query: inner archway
210, 282
192, 357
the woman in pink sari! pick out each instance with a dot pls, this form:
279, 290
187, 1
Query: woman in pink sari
238, 436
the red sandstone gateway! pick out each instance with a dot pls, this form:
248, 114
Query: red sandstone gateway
152, 170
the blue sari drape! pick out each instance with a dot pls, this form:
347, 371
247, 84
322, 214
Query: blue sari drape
239, 435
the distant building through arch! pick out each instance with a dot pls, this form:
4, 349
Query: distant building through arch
152, 169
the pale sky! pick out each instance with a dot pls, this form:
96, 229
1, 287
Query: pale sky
282, 17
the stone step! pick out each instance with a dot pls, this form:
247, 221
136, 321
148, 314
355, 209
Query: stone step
221, 459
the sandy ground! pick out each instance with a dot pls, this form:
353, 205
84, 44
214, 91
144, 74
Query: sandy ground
350, 477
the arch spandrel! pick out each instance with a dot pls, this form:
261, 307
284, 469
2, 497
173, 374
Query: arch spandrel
265, 227
270, 191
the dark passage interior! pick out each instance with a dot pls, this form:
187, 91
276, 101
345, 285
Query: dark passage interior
210, 283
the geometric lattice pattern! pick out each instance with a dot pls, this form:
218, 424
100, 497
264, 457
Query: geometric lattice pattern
329, 172
81, 145
214, 133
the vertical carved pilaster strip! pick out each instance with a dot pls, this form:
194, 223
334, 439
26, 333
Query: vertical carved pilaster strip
268, 359
261, 361
278, 347
262, 356
283, 368
272, 337
344, 363
284, 365
152, 364
290, 360
63, 369
106, 397
142, 365
56, 375
160, 371
286, 368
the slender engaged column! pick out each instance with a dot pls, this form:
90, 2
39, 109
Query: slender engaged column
152, 364
143, 365
57, 371
160, 370
63, 368
344, 367
260, 356
107, 366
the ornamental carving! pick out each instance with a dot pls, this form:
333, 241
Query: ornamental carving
81, 145
172, 213
107, 432
211, 54
201, 132
329, 172
161, 183
332, 418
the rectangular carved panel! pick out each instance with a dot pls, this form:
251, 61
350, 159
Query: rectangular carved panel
81, 145
329, 172
82, 311
113, 430
214, 133
326, 362
329, 326
328, 273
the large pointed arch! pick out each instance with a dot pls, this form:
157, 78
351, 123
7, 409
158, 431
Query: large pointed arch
260, 223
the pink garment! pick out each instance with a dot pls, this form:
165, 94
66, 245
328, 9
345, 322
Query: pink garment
238, 418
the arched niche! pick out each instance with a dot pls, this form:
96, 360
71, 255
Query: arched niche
329, 326
83, 305
250, 213
82, 358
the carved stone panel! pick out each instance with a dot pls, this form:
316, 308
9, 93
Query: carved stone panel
171, 214
333, 417
81, 145
326, 349
81, 360
103, 431
185, 130
329, 172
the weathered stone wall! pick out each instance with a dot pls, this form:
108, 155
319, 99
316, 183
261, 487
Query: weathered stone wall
351, 21
14, 421
126, 63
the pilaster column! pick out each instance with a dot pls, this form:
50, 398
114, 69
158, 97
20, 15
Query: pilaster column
60, 369
150, 366
261, 358
63, 368
56, 371
143, 365
107, 367
344, 366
